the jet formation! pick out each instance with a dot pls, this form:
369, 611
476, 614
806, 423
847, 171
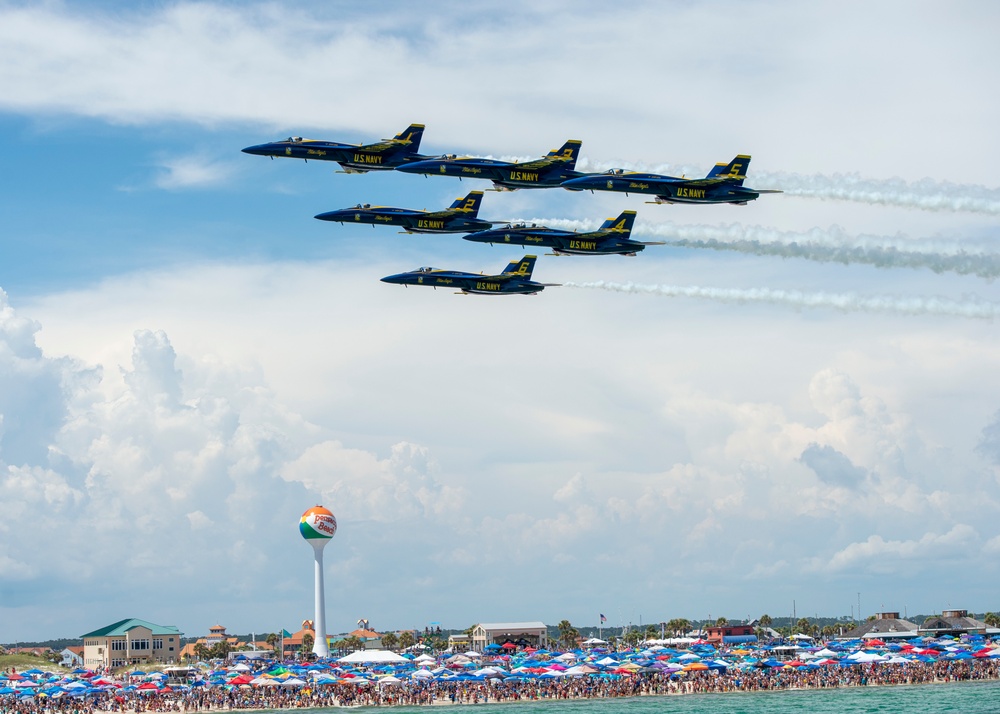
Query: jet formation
557, 169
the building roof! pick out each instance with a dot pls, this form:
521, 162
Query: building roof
365, 634
118, 629
513, 626
882, 627
948, 623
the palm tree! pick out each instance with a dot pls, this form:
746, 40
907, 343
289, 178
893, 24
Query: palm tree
679, 626
721, 621
567, 634
406, 640
272, 640
390, 640
991, 619
307, 643
201, 651
765, 620
353, 643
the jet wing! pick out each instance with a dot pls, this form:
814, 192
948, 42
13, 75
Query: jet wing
543, 163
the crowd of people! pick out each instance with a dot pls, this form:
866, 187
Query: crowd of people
424, 692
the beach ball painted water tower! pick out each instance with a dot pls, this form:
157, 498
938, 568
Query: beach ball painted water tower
318, 526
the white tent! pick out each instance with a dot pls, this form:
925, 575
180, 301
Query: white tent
372, 656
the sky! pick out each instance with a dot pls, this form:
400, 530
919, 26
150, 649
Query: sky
791, 404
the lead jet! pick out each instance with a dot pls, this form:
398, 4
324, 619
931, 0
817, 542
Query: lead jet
514, 280
551, 170
460, 217
610, 239
384, 155
724, 184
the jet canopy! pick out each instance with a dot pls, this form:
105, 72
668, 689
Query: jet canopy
426, 269
615, 172
367, 205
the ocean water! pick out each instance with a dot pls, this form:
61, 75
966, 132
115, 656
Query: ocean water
964, 697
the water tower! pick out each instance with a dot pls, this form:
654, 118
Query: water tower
318, 526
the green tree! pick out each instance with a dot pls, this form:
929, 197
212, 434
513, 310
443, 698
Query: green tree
678, 626
307, 643
406, 640
632, 637
220, 650
567, 634
721, 621
652, 632
765, 620
390, 640
201, 651
991, 619
272, 639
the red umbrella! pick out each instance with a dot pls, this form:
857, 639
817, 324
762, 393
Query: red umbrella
509, 646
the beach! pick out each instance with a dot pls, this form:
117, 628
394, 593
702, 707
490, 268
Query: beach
497, 691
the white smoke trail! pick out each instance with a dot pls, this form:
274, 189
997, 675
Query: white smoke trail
972, 307
925, 195
831, 245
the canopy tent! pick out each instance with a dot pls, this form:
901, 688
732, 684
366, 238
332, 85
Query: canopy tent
373, 656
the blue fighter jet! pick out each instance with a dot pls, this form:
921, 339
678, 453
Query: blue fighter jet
460, 217
724, 184
610, 239
514, 280
553, 169
384, 155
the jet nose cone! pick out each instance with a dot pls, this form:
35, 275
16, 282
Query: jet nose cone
259, 150
397, 279
333, 215
417, 167
577, 184
481, 236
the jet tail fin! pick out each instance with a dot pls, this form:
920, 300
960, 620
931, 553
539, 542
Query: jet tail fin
522, 267
622, 224
569, 151
735, 170
470, 204
411, 134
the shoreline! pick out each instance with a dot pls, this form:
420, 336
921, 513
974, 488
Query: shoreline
681, 691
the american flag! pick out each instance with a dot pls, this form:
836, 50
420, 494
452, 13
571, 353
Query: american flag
603, 618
